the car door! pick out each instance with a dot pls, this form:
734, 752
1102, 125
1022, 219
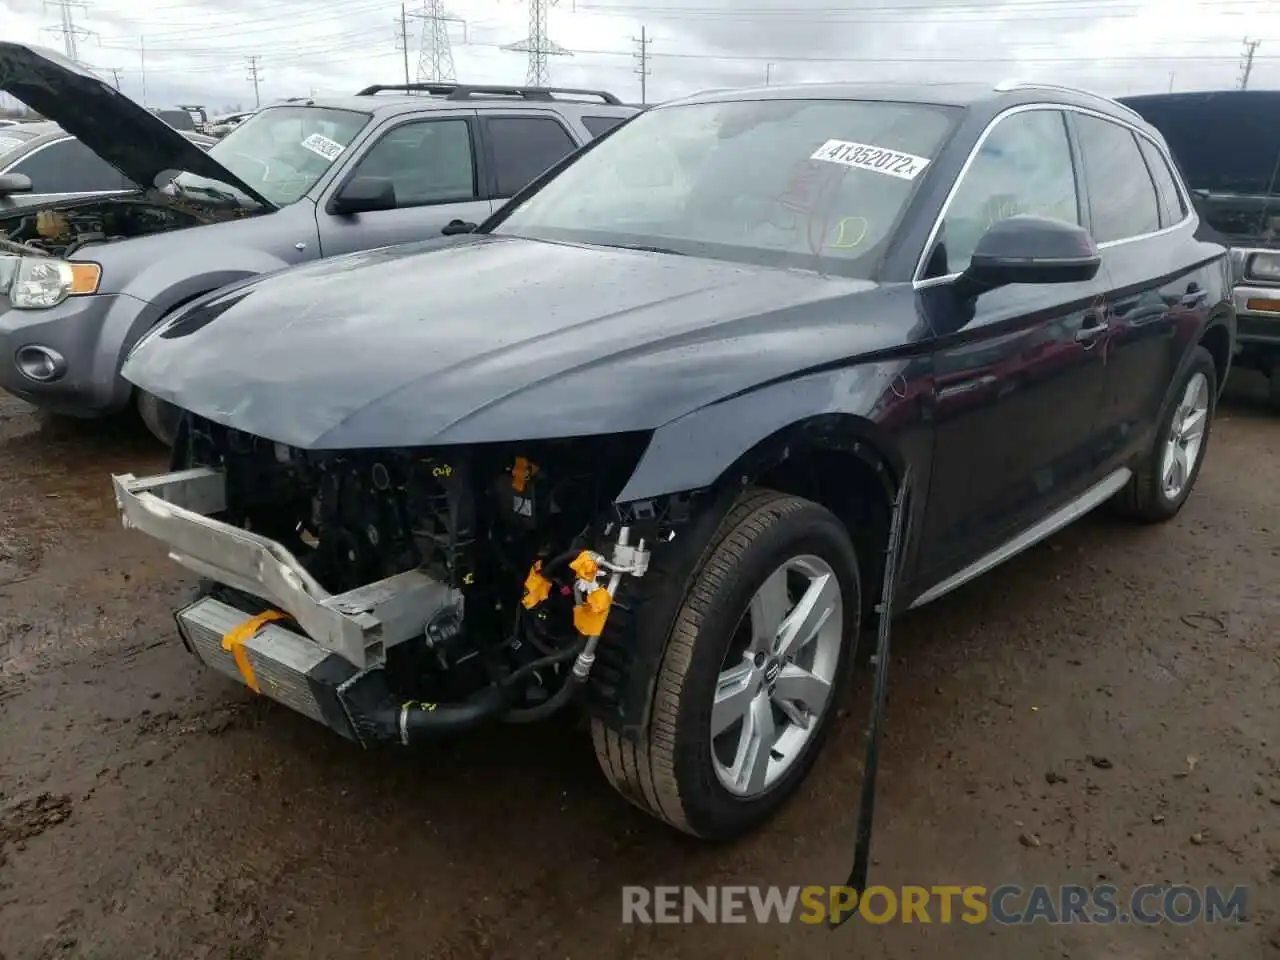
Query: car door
521, 146
1017, 383
431, 160
67, 168
1155, 294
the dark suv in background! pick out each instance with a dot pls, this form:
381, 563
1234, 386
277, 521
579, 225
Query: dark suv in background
1228, 145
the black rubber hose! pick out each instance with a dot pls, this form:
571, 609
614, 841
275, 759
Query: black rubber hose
554, 704
417, 724
560, 656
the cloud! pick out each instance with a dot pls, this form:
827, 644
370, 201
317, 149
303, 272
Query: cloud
180, 51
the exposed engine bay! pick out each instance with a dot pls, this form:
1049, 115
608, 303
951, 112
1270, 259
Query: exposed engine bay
62, 229
527, 535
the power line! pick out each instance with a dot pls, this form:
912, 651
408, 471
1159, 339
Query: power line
1246, 66
435, 56
538, 44
255, 74
642, 68
67, 25
402, 39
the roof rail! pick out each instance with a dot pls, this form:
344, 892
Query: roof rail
1005, 86
465, 91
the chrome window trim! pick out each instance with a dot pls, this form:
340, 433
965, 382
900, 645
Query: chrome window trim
1181, 187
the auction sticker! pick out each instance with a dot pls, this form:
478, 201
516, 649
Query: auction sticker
318, 143
865, 156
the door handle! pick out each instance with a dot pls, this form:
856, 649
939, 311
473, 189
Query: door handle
1091, 333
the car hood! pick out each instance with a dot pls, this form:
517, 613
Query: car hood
133, 140
497, 338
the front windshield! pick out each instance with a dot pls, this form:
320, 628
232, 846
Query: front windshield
281, 151
816, 184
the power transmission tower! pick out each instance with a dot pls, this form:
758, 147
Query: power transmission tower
67, 25
255, 74
538, 44
642, 68
402, 39
435, 58
1246, 62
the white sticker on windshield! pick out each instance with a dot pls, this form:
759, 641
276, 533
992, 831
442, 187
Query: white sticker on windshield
319, 143
864, 156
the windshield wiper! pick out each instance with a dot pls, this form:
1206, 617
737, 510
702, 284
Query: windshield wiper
208, 191
647, 248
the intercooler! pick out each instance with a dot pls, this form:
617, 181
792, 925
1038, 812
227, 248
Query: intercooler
274, 660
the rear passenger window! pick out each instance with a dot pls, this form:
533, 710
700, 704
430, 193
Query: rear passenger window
1023, 167
1122, 196
598, 126
1172, 208
524, 147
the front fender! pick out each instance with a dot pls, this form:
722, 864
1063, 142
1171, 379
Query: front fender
162, 287
694, 451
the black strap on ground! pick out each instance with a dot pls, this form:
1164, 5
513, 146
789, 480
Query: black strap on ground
879, 695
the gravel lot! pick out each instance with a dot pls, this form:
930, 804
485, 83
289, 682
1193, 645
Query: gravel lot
149, 808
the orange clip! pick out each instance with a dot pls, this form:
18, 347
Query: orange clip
585, 566
590, 615
536, 587
234, 642
521, 473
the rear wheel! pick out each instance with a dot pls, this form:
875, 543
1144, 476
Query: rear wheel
1164, 479
753, 669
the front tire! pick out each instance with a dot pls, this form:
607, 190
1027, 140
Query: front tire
1165, 477
158, 416
754, 667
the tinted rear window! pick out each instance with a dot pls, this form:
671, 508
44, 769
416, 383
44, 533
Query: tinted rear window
598, 126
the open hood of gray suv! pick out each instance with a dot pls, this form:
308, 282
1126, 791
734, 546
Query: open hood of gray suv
134, 141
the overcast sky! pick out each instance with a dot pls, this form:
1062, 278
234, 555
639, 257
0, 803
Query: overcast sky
179, 51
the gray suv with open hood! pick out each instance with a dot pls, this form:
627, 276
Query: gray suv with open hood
82, 278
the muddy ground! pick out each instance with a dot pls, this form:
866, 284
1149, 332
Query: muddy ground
149, 808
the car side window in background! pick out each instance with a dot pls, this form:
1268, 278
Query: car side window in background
1023, 167
597, 126
1122, 196
524, 147
1172, 207
68, 166
427, 161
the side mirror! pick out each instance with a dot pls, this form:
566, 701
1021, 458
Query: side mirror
14, 183
364, 195
454, 227
1029, 249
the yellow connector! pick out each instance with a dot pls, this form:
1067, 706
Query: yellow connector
536, 587
590, 615
585, 566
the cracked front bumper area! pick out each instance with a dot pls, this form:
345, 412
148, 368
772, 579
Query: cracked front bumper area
332, 668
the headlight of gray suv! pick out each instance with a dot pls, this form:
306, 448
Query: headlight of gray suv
37, 283
1265, 266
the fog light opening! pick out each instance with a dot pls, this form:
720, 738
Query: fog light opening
41, 364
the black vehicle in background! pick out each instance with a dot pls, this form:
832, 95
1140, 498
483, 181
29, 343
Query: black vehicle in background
1228, 146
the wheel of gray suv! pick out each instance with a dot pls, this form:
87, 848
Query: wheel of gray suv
753, 670
1164, 478
160, 417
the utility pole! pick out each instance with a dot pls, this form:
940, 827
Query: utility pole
768, 73
115, 76
142, 58
67, 25
255, 74
538, 45
402, 39
1246, 64
642, 69
435, 57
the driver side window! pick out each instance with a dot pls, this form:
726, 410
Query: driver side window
1023, 167
427, 161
